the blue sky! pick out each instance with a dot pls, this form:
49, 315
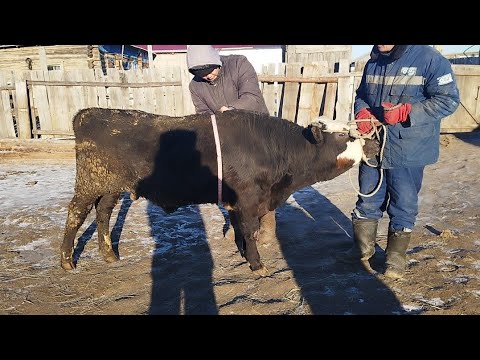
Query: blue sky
359, 50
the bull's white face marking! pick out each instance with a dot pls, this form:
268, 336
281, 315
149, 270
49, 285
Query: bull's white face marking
332, 126
354, 151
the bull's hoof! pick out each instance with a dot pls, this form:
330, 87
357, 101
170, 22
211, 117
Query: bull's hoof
230, 234
261, 271
368, 267
110, 257
67, 263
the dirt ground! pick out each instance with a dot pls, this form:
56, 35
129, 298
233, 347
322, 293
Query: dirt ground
181, 264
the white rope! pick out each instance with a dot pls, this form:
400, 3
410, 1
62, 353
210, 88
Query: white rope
219, 158
370, 135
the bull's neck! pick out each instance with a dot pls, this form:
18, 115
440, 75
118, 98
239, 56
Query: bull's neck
316, 167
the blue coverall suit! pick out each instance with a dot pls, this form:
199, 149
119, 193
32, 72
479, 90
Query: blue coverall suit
422, 77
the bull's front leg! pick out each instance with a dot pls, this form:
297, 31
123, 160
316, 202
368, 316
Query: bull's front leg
250, 226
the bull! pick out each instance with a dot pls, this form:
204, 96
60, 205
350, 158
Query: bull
172, 161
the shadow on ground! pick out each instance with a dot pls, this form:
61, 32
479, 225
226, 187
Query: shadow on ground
329, 286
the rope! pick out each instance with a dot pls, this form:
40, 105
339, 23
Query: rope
374, 133
219, 158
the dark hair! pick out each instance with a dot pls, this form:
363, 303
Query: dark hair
203, 70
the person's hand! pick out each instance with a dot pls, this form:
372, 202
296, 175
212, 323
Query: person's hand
365, 127
394, 114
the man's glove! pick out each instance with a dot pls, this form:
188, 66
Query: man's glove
395, 114
364, 127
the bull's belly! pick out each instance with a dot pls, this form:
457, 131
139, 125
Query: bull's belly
170, 199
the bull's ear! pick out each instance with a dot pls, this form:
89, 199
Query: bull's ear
317, 134
313, 134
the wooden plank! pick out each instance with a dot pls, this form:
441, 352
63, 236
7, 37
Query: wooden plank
42, 54
175, 67
476, 96
124, 91
53, 106
469, 96
327, 78
305, 97
40, 102
177, 92
74, 97
108, 84
356, 84
7, 130
101, 90
186, 77
344, 91
289, 110
162, 102
467, 114
330, 98
149, 92
53, 132
90, 92
22, 103
318, 91
279, 87
114, 95
138, 94
61, 119
269, 90
467, 70
321, 48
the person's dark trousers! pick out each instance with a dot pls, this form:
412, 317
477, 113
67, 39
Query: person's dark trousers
398, 195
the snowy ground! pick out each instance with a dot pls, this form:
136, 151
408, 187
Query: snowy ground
180, 263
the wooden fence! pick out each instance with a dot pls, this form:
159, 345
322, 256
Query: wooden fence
42, 103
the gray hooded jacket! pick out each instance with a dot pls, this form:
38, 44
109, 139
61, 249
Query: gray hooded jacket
236, 85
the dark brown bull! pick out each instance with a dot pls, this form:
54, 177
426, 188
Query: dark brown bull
172, 161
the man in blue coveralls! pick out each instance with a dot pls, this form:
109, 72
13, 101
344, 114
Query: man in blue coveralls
409, 89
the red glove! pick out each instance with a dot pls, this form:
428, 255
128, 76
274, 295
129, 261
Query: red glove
395, 114
364, 127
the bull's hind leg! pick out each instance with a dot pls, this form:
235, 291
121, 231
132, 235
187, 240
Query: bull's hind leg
268, 228
237, 233
78, 210
104, 208
250, 226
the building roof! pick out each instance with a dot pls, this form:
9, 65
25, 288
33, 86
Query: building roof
183, 48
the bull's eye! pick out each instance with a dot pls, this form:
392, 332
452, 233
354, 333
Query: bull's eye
342, 134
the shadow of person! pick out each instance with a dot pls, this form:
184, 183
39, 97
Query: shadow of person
120, 222
311, 230
472, 138
182, 264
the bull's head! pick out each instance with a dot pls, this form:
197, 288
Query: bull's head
369, 148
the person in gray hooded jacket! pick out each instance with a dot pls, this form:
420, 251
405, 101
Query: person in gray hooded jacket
227, 82
222, 82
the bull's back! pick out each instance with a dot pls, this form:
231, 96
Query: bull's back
125, 149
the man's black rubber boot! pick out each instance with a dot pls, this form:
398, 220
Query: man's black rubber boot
396, 251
